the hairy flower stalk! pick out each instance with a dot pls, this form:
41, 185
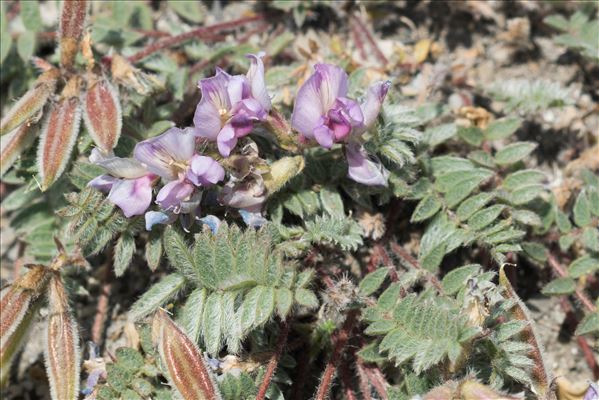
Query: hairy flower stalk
59, 133
31, 103
187, 370
62, 355
102, 113
323, 113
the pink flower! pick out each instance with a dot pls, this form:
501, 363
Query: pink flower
231, 104
323, 112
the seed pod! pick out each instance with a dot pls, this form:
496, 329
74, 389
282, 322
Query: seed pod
28, 106
102, 113
16, 298
62, 355
59, 133
17, 314
187, 370
10, 346
14, 144
71, 27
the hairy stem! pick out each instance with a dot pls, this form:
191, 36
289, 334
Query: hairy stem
204, 32
561, 271
274, 360
405, 255
341, 340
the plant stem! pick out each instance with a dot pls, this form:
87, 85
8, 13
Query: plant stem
404, 254
274, 360
571, 321
340, 342
377, 51
204, 32
102, 307
562, 272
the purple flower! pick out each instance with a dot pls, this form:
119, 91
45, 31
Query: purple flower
362, 169
128, 183
231, 104
323, 112
172, 156
592, 393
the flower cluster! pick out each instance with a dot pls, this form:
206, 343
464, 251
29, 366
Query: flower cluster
323, 112
229, 108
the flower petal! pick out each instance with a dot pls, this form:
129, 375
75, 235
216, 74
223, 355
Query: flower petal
334, 84
362, 169
205, 171
127, 168
252, 219
215, 98
212, 222
237, 89
103, 182
257, 82
173, 193
226, 140
247, 195
374, 100
133, 196
157, 217
159, 153
308, 109
324, 136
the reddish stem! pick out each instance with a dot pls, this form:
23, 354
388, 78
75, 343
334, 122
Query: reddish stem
363, 379
204, 32
274, 360
562, 272
102, 307
341, 340
405, 255
572, 321
346, 379
377, 51
358, 41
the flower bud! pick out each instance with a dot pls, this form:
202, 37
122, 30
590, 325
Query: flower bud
281, 172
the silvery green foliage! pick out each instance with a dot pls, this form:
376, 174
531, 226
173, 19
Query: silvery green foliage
528, 96
577, 225
94, 223
235, 281
483, 199
580, 32
468, 324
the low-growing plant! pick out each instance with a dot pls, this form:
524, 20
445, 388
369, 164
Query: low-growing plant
324, 240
